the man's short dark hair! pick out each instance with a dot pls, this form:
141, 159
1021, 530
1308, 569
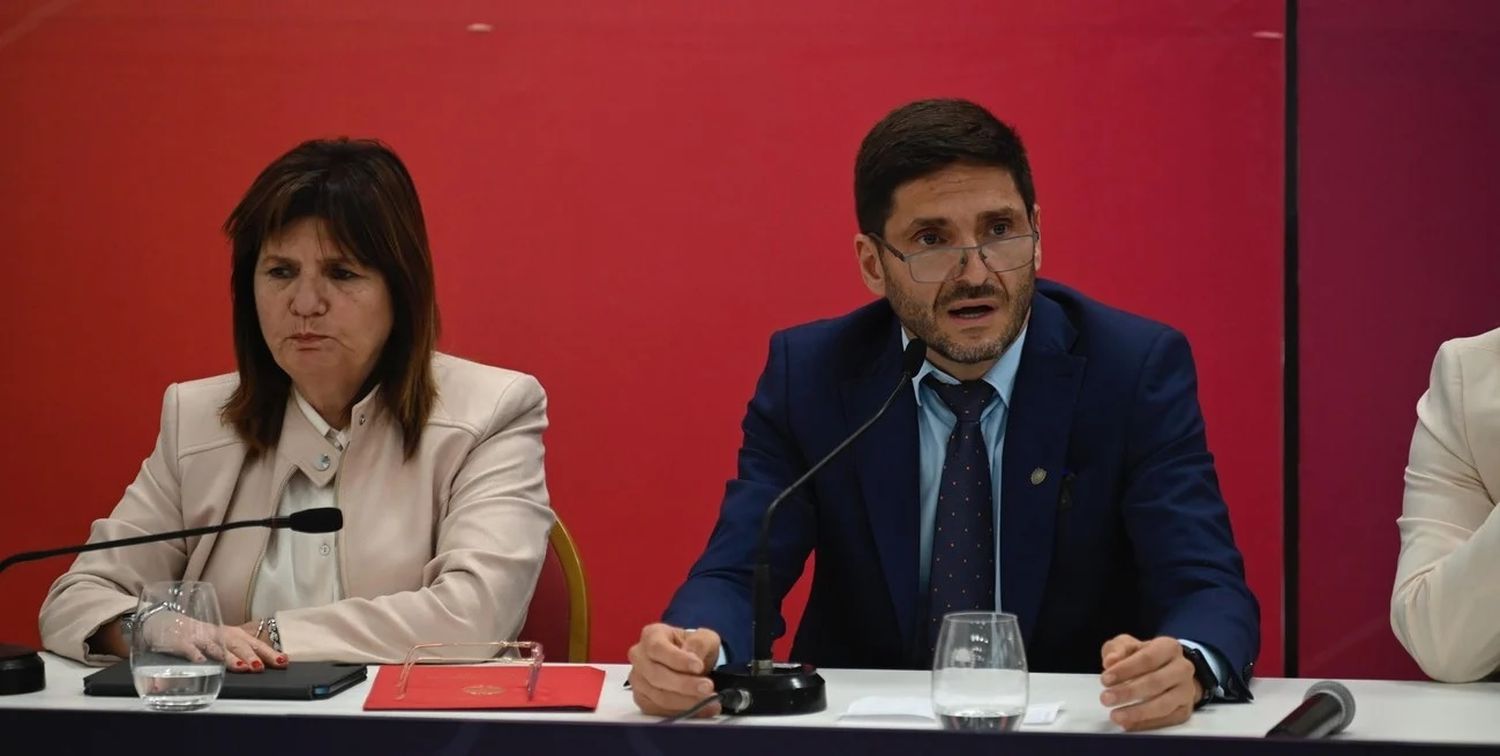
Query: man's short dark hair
923, 137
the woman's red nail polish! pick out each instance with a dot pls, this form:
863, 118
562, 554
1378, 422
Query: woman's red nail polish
256, 664
239, 664
281, 660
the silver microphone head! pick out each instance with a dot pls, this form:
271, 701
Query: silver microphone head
1339, 692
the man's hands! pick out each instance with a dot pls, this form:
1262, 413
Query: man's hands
669, 668
1149, 684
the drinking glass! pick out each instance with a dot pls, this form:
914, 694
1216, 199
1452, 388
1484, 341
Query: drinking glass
176, 653
979, 677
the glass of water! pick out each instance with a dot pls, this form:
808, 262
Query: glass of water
979, 678
176, 653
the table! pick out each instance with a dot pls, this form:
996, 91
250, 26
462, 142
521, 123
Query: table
1391, 717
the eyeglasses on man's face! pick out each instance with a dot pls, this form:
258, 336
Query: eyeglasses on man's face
939, 264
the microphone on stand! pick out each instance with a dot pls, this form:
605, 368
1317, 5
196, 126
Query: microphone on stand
1326, 710
21, 667
792, 688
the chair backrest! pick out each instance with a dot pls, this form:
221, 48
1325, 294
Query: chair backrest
558, 616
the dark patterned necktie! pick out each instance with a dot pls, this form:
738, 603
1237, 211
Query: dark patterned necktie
962, 574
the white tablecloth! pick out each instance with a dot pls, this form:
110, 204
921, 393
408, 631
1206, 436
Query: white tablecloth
1386, 710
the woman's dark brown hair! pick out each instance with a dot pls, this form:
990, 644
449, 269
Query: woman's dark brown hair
368, 204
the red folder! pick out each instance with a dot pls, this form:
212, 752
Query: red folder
486, 686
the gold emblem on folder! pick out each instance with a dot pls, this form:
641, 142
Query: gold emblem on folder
484, 690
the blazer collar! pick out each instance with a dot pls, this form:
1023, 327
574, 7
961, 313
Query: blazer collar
1034, 463
312, 447
886, 459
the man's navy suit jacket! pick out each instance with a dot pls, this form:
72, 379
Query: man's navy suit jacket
1123, 531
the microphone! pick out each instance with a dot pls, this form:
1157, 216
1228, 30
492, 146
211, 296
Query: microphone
21, 667
793, 688
319, 520
1326, 709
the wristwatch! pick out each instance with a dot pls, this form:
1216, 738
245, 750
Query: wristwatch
1203, 673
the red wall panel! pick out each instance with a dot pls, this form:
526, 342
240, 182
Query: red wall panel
1399, 109
625, 199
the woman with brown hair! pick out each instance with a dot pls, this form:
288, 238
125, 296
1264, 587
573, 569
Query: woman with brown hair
340, 399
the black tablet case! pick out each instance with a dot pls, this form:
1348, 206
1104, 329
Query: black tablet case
305, 681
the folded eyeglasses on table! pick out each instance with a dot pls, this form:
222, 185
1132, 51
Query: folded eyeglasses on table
527, 653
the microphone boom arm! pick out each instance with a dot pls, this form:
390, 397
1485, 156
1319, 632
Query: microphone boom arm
761, 661
31, 556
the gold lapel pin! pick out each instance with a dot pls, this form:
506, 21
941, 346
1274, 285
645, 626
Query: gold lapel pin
1037, 476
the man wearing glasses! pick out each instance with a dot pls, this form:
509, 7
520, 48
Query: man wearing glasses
1048, 460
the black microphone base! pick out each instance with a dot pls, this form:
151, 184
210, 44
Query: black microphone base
21, 670
783, 689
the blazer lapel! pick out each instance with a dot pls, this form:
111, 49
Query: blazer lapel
886, 458
297, 448
1034, 461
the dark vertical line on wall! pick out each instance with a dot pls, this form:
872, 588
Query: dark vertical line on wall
1291, 402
